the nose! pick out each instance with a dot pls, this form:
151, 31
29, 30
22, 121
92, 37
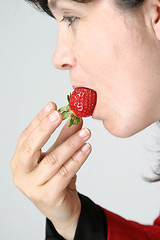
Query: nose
63, 57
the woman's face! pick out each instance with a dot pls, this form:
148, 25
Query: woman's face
116, 54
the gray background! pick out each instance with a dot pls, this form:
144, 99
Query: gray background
112, 175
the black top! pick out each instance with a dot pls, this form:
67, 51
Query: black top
91, 224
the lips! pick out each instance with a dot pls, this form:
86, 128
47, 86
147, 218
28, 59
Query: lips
94, 113
76, 86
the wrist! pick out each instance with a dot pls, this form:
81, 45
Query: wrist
67, 227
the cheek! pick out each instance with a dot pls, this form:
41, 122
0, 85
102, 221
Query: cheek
117, 66
89, 51
129, 104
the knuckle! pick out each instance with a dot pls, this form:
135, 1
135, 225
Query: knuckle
52, 159
23, 186
26, 148
30, 194
47, 200
64, 171
16, 180
25, 134
43, 128
74, 159
30, 190
38, 117
70, 143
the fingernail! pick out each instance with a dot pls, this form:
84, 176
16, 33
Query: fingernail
54, 116
86, 147
48, 107
84, 133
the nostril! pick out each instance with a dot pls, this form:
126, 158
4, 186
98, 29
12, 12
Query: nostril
64, 65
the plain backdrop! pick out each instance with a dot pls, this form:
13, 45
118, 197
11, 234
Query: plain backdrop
113, 174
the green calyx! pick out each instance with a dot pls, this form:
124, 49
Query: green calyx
66, 112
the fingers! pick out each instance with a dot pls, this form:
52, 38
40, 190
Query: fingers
65, 133
53, 162
26, 133
30, 149
69, 169
36, 121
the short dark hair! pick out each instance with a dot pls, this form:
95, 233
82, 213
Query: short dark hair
42, 5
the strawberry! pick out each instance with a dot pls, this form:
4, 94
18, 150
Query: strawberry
81, 104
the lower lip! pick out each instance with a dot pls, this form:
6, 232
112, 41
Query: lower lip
94, 113
93, 116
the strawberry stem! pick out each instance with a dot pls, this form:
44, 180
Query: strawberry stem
66, 112
64, 109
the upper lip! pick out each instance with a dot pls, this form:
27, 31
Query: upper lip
75, 86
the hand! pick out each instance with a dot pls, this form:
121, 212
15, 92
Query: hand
48, 179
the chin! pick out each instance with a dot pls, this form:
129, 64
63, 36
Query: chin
121, 130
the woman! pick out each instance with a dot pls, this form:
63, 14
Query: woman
112, 47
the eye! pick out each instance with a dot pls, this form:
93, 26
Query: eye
70, 19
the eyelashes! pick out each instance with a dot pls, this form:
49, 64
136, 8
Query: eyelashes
69, 19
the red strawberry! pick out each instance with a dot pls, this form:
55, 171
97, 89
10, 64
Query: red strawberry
81, 104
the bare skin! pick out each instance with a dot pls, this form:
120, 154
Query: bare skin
48, 179
125, 74
118, 58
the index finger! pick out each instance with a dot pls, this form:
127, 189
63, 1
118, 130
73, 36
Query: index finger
51, 106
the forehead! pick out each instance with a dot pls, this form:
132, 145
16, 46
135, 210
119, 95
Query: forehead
57, 3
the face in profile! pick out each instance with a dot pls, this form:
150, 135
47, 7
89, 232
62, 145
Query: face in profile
116, 53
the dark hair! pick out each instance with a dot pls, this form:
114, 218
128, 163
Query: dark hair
42, 5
